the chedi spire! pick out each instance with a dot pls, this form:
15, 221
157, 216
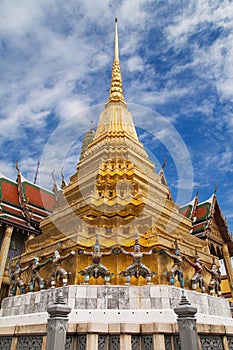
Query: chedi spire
116, 91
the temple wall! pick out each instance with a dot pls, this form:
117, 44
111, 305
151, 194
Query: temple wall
118, 336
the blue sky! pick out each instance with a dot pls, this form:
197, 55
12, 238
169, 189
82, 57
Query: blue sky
176, 62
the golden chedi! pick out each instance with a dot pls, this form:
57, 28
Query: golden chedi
116, 211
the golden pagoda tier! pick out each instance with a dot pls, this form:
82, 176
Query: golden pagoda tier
116, 199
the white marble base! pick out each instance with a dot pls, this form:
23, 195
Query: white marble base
135, 304
113, 316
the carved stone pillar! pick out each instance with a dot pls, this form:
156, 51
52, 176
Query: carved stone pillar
57, 323
125, 342
92, 341
5, 250
159, 343
187, 324
228, 266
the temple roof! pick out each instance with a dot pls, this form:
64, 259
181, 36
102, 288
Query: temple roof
24, 204
202, 216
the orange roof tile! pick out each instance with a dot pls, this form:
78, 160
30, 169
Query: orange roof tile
38, 196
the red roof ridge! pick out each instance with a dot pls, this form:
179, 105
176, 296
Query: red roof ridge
24, 180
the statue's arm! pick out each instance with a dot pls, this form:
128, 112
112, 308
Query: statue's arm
82, 251
124, 252
169, 254
164, 251
26, 267
189, 261
207, 269
153, 250
67, 255
107, 254
87, 253
45, 262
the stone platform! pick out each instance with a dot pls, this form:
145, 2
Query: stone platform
138, 304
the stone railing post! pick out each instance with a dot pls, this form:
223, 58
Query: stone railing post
57, 323
187, 324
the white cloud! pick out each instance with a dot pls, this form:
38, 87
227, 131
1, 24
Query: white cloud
42, 53
155, 97
131, 11
69, 107
214, 59
197, 13
135, 64
8, 170
20, 18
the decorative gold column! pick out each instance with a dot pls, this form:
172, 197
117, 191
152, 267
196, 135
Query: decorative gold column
5, 250
228, 266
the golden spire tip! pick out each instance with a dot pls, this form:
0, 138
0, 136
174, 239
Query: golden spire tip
116, 50
116, 93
